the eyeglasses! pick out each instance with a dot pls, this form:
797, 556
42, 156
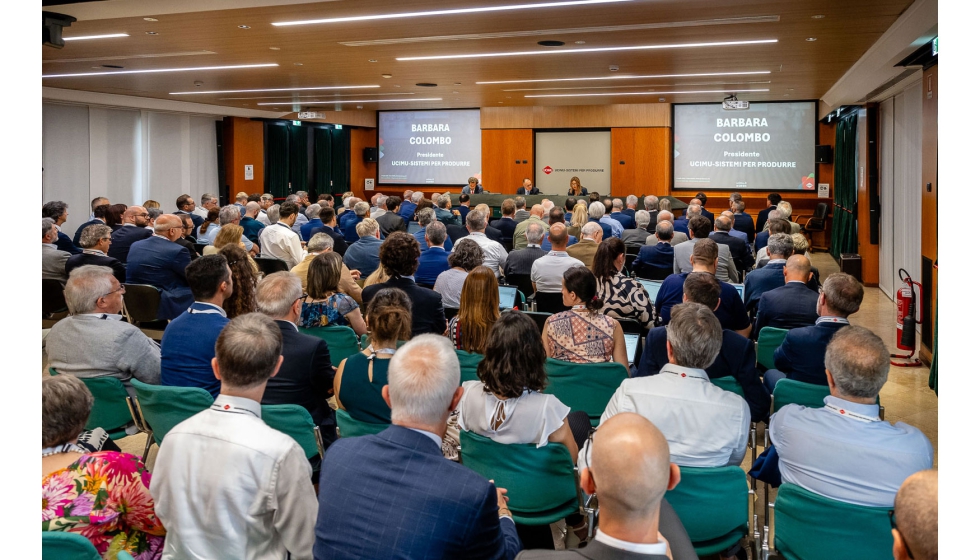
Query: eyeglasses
143, 215
120, 289
588, 450
304, 296
891, 519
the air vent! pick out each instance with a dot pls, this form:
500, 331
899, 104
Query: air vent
551, 43
426, 84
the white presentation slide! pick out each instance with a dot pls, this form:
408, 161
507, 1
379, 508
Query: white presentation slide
768, 147
559, 156
429, 147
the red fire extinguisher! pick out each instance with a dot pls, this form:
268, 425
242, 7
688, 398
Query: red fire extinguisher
906, 299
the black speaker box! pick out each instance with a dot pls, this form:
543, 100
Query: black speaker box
370, 155
825, 154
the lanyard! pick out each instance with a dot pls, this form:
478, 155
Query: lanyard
232, 408
192, 311
379, 351
854, 415
684, 374
833, 320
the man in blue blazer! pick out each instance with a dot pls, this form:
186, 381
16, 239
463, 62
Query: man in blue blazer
801, 355
790, 306
737, 246
159, 261
659, 256
434, 260
407, 210
770, 276
98, 219
134, 222
394, 495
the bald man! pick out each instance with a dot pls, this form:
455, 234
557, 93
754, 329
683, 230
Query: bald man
134, 222
791, 305
159, 261
536, 217
916, 525
627, 465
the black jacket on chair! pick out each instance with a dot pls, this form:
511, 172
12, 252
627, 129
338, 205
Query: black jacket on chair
305, 376
427, 313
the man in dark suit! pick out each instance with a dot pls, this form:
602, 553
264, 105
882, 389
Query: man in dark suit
407, 209
399, 255
790, 306
743, 222
98, 218
760, 222
703, 199
134, 222
683, 224
659, 256
329, 218
740, 251
527, 189
800, 356
737, 356
391, 221
186, 205
394, 495
434, 260
58, 211
519, 262
95, 242
506, 224
305, 376
770, 276
520, 210
628, 467
464, 206
160, 262
473, 186
617, 214
187, 239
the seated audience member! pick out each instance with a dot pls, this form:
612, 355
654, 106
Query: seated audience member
306, 375
621, 296
769, 277
434, 260
580, 217
362, 255
705, 425
94, 341
399, 257
208, 201
186, 239
312, 213
520, 209
329, 218
800, 356
94, 241
244, 277
81, 489
703, 200
251, 226
325, 305
520, 261
734, 232
472, 186
113, 216
98, 219
677, 237
134, 222
582, 335
58, 211
555, 216
463, 259
462, 514
426, 216
731, 312
535, 216
735, 359
597, 213
492, 233
527, 189
791, 305
350, 215
391, 221
637, 237
494, 254
279, 241
842, 451
208, 227
360, 377
700, 228
506, 223
739, 249
226, 459
617, 214
464, 205
631, 202
322, 244
378, 208
266, 201
160, 262
743, 222
548, 271
229, 215
154, 214
587, 246
802, 247
479, 309
915, 524
229, 234
607, 219
188, 341
656, 257
186, 207
301, 218
53, 260
775, 226
765, 214
786, 209
411, 202
763, 237
445, 213
684, 224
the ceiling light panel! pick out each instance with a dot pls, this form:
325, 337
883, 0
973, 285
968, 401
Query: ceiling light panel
720, 92
632, 77
353, 101
89, 37
161, 70
291, 97
268, 90
592, 50
126, 57
624, 86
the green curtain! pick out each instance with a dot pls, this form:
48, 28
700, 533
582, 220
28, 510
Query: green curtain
340, 160
276, 160
843, 238
299, 160
322, 160
934, 368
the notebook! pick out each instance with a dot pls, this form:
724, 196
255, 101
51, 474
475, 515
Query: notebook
651, 286
632, 344
508, 296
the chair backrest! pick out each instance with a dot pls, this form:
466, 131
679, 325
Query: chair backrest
648, 272
630, 257
296, 422
450, 312
789, 391
341, 341
811, 526
713, 505
508, 243
142, 302
522, 281
348, 427
468, 362
52, 297
769, 339
820, 212
270, 265
110, 411
585, 387
540, 482
550, 303
199, 247
729, 383
631, 326
59, 545
163, 407
539, 318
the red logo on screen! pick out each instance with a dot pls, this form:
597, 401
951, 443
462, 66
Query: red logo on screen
808, 183
547, 170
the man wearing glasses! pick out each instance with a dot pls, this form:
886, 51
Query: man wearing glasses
187, 238
160, 262
95, 241
134, 222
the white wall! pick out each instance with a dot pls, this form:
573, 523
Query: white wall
127, 155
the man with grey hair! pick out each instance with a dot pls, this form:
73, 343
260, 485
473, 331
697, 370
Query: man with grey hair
379, 206
769, 277
520, 261
434, 259
597, 213
94, 341
739, 249
494, 254
364, 254
53, 260
445, 213
625, 220
650, 203
313, 216
630, 210
547, 205
915, 530
265, 201
301, 219
679, 236
408, 206
208, 201
656, 261
683, 224
462, 516
536, 215
587, 247
637, 237
426, 217
159, 261
706, 426
94, 242
360, 212
777, 224
250, 223
520, 209
323, 243
268, 505
843, 451
280, 241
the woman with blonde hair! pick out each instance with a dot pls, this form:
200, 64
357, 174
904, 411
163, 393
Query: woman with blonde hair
575, 188
229, 234
479, 309
580, 217
664, 204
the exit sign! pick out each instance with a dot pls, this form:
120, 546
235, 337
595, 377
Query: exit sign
311, 115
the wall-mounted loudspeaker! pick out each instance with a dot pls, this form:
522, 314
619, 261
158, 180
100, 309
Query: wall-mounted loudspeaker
370, 155
825, 154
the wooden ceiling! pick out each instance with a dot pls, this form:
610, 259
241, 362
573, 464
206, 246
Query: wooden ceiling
358, 53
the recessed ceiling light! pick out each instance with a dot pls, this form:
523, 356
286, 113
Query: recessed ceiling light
152, 33
372, 60
426, 84
159, 70
268, 89
790, 89
508, 97
297, 64
817, 17
482, 9
244, 26
500, 102
551, 43
273, 48
457, 83
592, 50
396, 85
646, 93
811, 39
356, 101
579, 42
785, 95
312, 97
385, 75
88, 37
631, 77
455, 92
150, 19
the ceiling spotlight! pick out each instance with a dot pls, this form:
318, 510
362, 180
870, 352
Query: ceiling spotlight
273, 48
579, 42
151, 33
426, 84
614, 68
150, 19
662, 99
198, 83
244, 26
385, 75
372, 60
360, 106
455, 92
817, 17
811, 39
396, 85
457, 83
297, 64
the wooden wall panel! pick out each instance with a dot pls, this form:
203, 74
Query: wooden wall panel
653, 156
243, 144
622, 161
506, 117
502, 149
577, 116
361, 138
869, 253
930, 175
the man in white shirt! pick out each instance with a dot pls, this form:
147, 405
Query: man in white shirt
494, 254
208, 201
265, 201
226, 485
548, 271
279, 241
301, 219
705, 425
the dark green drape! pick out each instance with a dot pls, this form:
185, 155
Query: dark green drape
934, 368
276, 160
843, 238
332, 160
321, 160
299, 161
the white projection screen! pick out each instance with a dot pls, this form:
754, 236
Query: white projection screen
768, 147
559, 156
429, 147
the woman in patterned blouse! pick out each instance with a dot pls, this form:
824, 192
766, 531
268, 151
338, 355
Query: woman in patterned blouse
325, 305
621, 296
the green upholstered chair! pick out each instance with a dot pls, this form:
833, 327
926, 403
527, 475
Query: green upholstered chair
161, 408
769, 339
348, 427
59, 545
468, 362
341, 341
584, 387
296, 422
788, 391
729, 383
111, 410
713, 505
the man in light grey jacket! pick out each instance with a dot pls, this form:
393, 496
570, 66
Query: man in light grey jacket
52, 260
94, 341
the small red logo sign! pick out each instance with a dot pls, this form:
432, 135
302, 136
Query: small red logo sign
227, 406
547, 170
683, 375
843, 412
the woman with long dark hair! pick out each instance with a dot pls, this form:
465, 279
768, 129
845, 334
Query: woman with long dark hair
479, 309
621, 296
244, 279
